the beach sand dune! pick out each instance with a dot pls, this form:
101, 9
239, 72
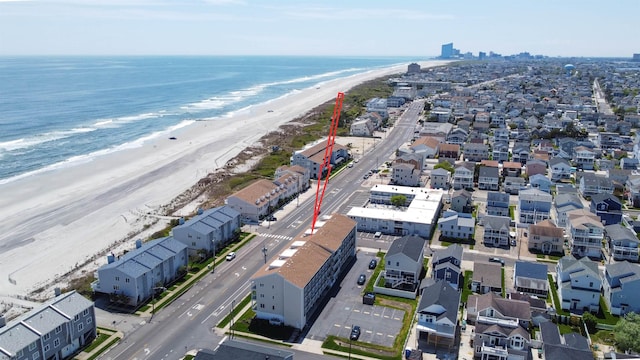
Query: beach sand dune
57, 222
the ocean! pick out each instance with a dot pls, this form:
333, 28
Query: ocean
61, 111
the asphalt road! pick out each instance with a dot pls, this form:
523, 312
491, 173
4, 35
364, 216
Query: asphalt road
188, 322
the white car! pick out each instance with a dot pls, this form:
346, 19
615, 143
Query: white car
231, 256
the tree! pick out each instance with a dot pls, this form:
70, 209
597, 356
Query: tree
398, 200
627, 332
445, 165
590, 321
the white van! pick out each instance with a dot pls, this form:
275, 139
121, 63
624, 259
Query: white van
377, 234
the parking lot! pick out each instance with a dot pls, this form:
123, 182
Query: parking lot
379, 324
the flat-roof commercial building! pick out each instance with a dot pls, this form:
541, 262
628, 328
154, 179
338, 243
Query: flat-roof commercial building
418, 218
290, 288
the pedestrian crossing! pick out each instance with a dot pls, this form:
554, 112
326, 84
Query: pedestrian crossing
276, 236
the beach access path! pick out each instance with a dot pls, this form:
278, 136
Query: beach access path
56, 223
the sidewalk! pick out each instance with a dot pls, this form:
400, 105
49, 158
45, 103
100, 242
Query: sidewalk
104, 346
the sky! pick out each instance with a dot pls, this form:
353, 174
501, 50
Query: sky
586, 28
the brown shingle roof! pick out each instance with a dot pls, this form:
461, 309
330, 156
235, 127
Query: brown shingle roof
316, 152
427, 141
511, 165
300, 268
489, 163
255, 191
449, 147
545, 228
488, 274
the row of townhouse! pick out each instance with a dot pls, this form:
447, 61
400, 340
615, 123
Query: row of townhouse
57, 329
136, 276
261, 197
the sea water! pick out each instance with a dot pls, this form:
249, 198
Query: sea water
60, 111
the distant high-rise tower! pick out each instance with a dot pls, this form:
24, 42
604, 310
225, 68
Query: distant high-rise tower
636, 57
482, 55
447, 51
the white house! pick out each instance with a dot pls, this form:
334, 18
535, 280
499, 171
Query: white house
585, 232
534, 206
312, 157
463, 178
496, 230
456, 225
406, 174
559, 168
361, 127
404, 263
440, 179
592, 184
584, 157
578, 284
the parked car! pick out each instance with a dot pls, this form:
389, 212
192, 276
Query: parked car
271, 218
377, 234
231, 256
355, 333
497, 260
362, 279
373, 263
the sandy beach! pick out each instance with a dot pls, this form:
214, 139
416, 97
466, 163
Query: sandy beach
56, 222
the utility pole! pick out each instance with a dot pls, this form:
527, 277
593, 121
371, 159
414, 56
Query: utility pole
213, 265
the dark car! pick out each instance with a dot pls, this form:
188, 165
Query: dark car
497, 260
373, 263
272, 218
362, 279
355, 333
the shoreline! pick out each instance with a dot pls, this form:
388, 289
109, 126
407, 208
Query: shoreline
57, 221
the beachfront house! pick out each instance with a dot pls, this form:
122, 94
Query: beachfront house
212, 229
138, 275
260, 198
312, 158
56, 329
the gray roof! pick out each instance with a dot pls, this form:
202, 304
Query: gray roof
440, 172
210, 220
591, 179
26, 329
71, 304
584, 266
572, 348
44, 320
486, 171
139, 261
441, 293
603, 197
558, 160
240, 350
476, 146
623, 268
619, 232
566, 199
461, 192
530, 270
488, 274
497, 196
451, 251
410, 245
496, 222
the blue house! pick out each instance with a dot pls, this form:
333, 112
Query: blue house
607, 207
445, 265
540, 182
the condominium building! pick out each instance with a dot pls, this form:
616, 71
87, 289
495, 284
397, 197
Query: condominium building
290, 288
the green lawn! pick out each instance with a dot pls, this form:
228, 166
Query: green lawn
466, 287
604, 316
554, 296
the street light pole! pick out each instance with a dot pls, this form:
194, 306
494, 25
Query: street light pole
213, 265
264, 251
